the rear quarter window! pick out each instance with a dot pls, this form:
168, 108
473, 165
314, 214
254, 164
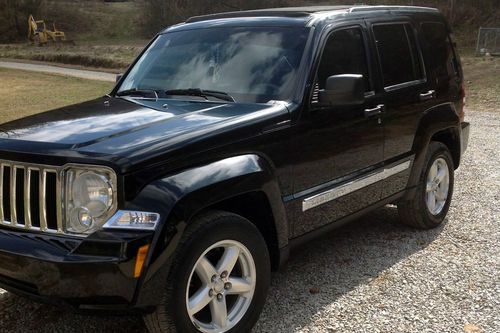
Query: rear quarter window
442, 61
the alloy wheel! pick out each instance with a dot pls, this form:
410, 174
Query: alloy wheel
438, 186
221, 287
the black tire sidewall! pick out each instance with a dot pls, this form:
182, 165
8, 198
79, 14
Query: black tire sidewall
437, 151
224, 228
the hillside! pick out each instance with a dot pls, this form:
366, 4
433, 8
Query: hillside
111, 34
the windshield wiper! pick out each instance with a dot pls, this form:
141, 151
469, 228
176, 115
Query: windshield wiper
201, 93
140, 92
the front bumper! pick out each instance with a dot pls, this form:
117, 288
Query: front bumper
90, 274
464, 137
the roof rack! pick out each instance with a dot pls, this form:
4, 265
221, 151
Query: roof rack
281, 12
302, 11
402, 8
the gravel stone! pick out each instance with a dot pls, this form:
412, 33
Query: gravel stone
374, 275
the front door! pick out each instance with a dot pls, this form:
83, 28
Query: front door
336, 147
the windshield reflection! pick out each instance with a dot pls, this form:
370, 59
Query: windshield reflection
254, 65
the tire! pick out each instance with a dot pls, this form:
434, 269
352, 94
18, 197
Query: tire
418, 212
205, 239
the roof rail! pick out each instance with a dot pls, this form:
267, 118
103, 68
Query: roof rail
281, 12
382, 7
248, 13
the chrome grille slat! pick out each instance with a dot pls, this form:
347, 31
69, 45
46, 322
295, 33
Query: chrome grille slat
59, 203
13, 183
26, 214
1, 193
27, 198
43, 202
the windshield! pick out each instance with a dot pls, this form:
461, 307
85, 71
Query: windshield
252, 65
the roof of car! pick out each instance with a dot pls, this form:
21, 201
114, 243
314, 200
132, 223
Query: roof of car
308, 11
288, 16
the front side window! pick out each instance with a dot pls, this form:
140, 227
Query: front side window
344, 53
253, 65
398, 54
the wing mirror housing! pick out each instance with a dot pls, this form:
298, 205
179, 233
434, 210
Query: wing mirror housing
118, 77
343, 90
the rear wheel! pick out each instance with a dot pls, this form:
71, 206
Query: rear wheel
218, 280
430, 204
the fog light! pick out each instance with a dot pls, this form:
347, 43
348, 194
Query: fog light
126, 219
81, 220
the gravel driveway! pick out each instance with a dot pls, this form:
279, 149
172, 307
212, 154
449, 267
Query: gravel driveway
371, 276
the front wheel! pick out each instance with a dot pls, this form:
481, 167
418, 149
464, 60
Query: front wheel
219, 278
428, 208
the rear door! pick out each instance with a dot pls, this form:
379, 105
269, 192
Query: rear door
404, 91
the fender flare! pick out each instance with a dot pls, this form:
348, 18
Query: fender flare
179, 197
439, 118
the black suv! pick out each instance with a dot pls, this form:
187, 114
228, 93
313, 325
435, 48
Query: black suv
231, 139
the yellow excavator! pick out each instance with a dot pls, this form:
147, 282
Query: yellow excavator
39, 35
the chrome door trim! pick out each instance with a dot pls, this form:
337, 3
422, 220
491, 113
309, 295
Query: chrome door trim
345, 189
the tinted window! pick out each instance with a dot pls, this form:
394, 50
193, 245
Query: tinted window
344, 53
398, 53
442, 61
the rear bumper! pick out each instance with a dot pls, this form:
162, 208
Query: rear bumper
69, 271
464, 137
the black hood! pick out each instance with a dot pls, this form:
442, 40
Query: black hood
128, 129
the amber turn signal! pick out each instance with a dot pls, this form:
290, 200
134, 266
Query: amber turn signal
141, 258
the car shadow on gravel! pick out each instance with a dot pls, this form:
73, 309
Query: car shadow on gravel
318, 273
324, 270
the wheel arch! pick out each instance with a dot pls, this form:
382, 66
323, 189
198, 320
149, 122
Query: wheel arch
255, 207
451, 139
439, 123
222, 185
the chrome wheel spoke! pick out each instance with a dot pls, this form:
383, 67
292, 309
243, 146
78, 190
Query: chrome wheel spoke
440, 196
228, 260
199, 300
433, 171
442, 173
205, 270
431, 201
239, 286
218, 309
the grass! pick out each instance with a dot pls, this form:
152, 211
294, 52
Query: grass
83, 54
25, 93
482, 83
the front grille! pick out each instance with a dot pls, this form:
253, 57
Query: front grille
30, 197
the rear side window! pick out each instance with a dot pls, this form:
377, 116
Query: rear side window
398, 53
344, 53
442, 62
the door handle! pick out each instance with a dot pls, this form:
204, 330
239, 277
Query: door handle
427, 95
376, 111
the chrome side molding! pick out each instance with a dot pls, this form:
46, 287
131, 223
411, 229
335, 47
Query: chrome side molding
344, 189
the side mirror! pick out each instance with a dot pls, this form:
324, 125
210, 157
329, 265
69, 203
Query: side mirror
118, 77
343, 90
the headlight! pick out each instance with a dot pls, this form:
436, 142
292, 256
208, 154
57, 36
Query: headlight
90, 198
